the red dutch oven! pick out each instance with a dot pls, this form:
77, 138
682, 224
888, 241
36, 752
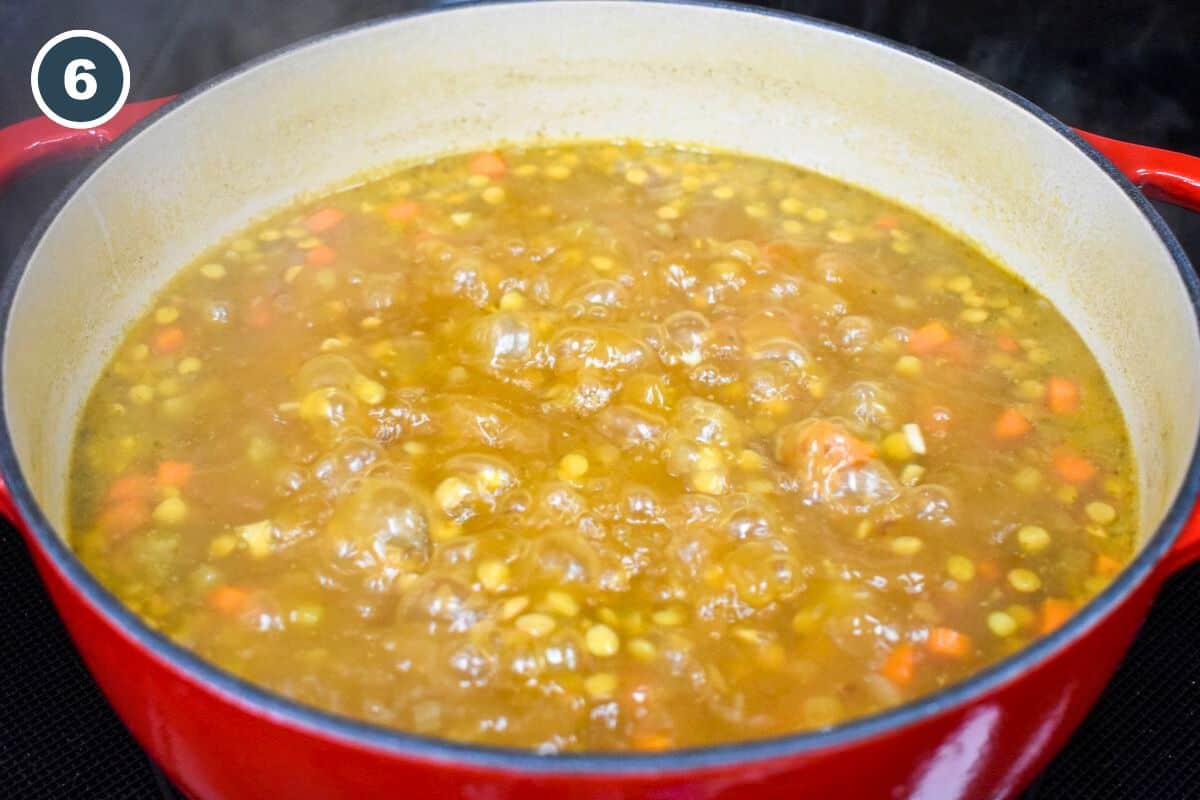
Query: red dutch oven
1058, 207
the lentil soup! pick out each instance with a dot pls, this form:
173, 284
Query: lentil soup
602, 447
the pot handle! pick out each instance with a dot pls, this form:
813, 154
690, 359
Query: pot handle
1160, 174
1174, 178
8, 509
40, 139
1186, 550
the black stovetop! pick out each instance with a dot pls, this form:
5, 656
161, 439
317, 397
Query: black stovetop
1127, 69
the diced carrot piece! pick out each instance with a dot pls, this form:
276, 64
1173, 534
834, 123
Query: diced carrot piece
124, 517
1007, 344
131, 487
957, 351
1011, 425
929, 337
1073, 468
489, 164
899, 665
822, 446
651, 741
1107, 566
174, 473
949, 642
402, 211
1055, 611
321, 256
259, 314
987, 570
324, 219
168, 340
887, 222
228, 599
1062, 395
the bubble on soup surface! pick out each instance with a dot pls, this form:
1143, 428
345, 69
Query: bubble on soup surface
928, 504
631, 428
693, 550
784, 351
327, 370
565, 557
332, 411
590, 391
832, 467
473, 420
383, 525
853, 334
641, 505
749, 517
763, 571
465, 280
604, 349
705, 422
557, 503
381, 291
477, 481
684, 336
770, 381
597, 300
503, 342
350, 459
443, 604
867, 406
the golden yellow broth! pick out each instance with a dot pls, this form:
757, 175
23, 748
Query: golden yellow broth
601, 447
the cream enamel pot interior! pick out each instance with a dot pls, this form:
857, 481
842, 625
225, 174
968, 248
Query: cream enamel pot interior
982, 162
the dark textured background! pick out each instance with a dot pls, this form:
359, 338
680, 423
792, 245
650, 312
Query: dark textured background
1127, 69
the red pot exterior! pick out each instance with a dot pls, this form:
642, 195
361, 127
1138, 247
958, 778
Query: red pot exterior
215, 746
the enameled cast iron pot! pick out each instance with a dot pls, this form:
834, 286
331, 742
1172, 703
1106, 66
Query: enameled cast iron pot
984, 162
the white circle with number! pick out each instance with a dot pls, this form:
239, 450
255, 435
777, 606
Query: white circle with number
65, 75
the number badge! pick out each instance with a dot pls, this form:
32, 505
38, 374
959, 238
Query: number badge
80, 79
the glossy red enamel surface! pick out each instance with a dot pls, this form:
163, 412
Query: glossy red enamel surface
26, 143
1187, 547
1161, 174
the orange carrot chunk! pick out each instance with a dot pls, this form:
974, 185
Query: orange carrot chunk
651, 741
489, 164
259, 314
887, 222
987, 570
929, 337
123, 518
1073, 468
1107, 566
130, 487
1055, 611
228, 599
1011, 425
324, 219
402, 211
821, 446
322, 255
1007, 344
1062, 395
899, 664
168, 340
949, 642
174, 473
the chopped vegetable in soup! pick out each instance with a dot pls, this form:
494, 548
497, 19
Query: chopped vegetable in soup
602, 447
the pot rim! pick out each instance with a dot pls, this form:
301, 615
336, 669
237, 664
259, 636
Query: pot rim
392, 742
